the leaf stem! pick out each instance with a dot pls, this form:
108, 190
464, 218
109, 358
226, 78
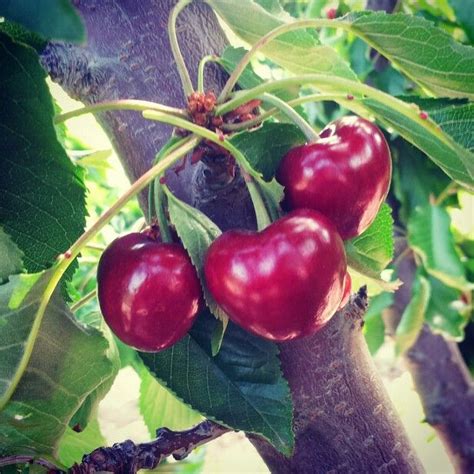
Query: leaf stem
202, 66
178, 57
285, 28
449, 190
291, 113
261, 213
226, 145
85, 299
235, 127
123, 104
65, 260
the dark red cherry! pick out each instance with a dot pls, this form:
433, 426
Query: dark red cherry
282, 283
345, 174
149, 292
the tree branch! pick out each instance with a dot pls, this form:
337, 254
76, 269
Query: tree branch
340, 423
128, 457
441, 378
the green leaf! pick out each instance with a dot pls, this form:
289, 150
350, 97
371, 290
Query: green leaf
425, 53
465, 16
374, 327
414, 315
242, 387
159, 407
67, 363
415, 178
21, 35
43, 195
372, 251
11, 257
52, 19
446, 313
298, 51
454, 116
196, 232
456, 161
73, 446
265, 147
429, 235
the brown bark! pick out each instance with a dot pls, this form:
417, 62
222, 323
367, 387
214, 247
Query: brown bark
344, 421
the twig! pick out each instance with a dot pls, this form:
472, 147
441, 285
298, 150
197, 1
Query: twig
128, 457
21, 459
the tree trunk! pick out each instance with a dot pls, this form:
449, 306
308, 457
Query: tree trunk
344, 421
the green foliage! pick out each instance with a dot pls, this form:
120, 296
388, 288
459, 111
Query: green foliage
428, 55
51, 19
43, 195
298, 51
465, 15
242, 387
159, 407
374, 327
429, 235
74, 445
372, 251
44, 364
265, 147
11, 261
446, 313
414, 315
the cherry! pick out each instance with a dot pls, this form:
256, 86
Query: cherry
345, 174
148, 291
347, 291
282, 283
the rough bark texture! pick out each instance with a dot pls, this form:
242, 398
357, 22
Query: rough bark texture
343, 419
441, 378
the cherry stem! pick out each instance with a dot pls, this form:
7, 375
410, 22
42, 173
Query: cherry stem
235, 127
223, 143
329, 84
285, 28
261, 213
64, 261
202, 66
449, 190
178, 57
124, 104
85, 299
295, 117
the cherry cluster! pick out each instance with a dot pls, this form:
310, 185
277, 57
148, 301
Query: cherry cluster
282, 283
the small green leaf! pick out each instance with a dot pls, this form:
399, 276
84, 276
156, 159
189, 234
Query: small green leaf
73, 446
265, 147
372, 251
414, 315
429, 235
68, 362
43, 194
242, 387
196, 232
425, 53
446, 313
298, 51
159, 407
11, 257
374, 327
52, 19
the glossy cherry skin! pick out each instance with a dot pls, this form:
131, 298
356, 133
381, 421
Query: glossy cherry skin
345, 174
282, 283
149, 292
